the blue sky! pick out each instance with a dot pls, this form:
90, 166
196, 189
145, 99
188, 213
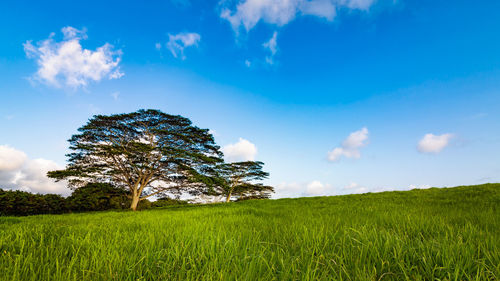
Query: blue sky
335, 96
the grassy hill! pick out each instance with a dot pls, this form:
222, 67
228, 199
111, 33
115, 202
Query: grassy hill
433, 234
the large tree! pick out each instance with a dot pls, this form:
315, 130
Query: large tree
239, 179
146, 152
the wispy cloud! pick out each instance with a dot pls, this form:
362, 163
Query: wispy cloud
272, 46
350, 146
178, 42
246, 14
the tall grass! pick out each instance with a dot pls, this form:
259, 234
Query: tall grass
434, 234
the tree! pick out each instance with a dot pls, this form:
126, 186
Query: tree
168, 202
238, 179
22, 203
98, 197
146, 153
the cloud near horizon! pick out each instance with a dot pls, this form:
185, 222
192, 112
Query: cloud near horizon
315, 188
67, 63
304, 189
319, 188
350, 146
18, 172
431, 143
249, 13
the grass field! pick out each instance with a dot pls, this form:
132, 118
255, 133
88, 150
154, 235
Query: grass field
434, 234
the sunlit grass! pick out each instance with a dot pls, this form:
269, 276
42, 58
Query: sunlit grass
435, 234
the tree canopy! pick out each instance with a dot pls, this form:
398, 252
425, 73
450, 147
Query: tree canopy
147, 152
240, 179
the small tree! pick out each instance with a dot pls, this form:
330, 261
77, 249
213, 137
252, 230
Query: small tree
239, 179
146, 152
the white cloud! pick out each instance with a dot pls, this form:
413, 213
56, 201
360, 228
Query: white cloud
10, 158
350, 146
248, 13
33, 177
315, 188
248, 63
320, 8
243, 150
431, 143
178, 42
272, 46
285, 189
18, 172
66, 63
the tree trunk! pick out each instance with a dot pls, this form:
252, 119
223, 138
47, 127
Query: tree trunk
135, 201
228, 197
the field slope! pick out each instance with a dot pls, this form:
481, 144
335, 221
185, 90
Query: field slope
434, 234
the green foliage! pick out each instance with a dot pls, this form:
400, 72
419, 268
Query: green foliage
144, 204
434, 234
254, 197
92, 197
167, 202
143, 152
20, 203
238, 179
98, 197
